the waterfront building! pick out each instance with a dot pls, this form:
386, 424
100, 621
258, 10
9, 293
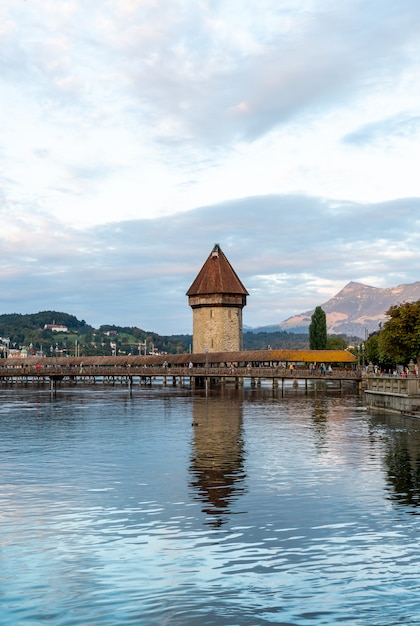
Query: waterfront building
217, 297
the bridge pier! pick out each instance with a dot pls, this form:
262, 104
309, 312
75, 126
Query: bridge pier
53, 383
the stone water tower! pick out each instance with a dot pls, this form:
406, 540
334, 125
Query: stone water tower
217, 298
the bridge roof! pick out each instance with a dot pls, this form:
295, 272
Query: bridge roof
288, 356
217, 276
211, 358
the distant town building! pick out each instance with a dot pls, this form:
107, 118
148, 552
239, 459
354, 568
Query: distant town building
217, 298
15, 353
58, 328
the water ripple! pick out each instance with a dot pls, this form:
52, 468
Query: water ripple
115, 510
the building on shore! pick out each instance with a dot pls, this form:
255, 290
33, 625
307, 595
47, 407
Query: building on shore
217, 298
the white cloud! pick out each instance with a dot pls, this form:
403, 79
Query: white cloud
294, 124
291, 252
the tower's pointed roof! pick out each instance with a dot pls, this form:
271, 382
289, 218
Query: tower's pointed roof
217, 276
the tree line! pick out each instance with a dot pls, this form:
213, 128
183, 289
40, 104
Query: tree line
398, 339
395, 343
27, 331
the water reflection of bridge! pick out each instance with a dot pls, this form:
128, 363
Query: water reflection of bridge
275, 366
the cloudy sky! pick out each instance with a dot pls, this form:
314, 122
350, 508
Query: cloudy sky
136, 134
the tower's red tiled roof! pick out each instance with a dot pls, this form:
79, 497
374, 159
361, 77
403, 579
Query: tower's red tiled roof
217, 276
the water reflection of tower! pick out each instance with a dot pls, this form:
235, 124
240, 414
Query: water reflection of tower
217, 457
320, 421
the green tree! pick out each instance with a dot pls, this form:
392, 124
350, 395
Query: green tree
372, 352
399, 338
335, 342
318, 330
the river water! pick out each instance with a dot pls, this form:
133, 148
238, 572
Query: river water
235, 508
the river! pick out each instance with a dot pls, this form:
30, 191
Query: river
173, 507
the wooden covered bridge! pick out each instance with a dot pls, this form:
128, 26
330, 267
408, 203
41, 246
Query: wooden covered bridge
206, 368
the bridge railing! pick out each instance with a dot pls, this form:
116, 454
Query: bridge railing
54, 370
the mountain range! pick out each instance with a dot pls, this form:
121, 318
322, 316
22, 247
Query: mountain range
356, 310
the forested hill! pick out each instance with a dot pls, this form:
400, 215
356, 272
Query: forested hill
280, 340
27, 330
15, 325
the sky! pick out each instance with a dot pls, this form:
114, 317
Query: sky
136, 134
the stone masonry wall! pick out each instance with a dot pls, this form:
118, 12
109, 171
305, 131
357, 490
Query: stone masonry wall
218, 328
